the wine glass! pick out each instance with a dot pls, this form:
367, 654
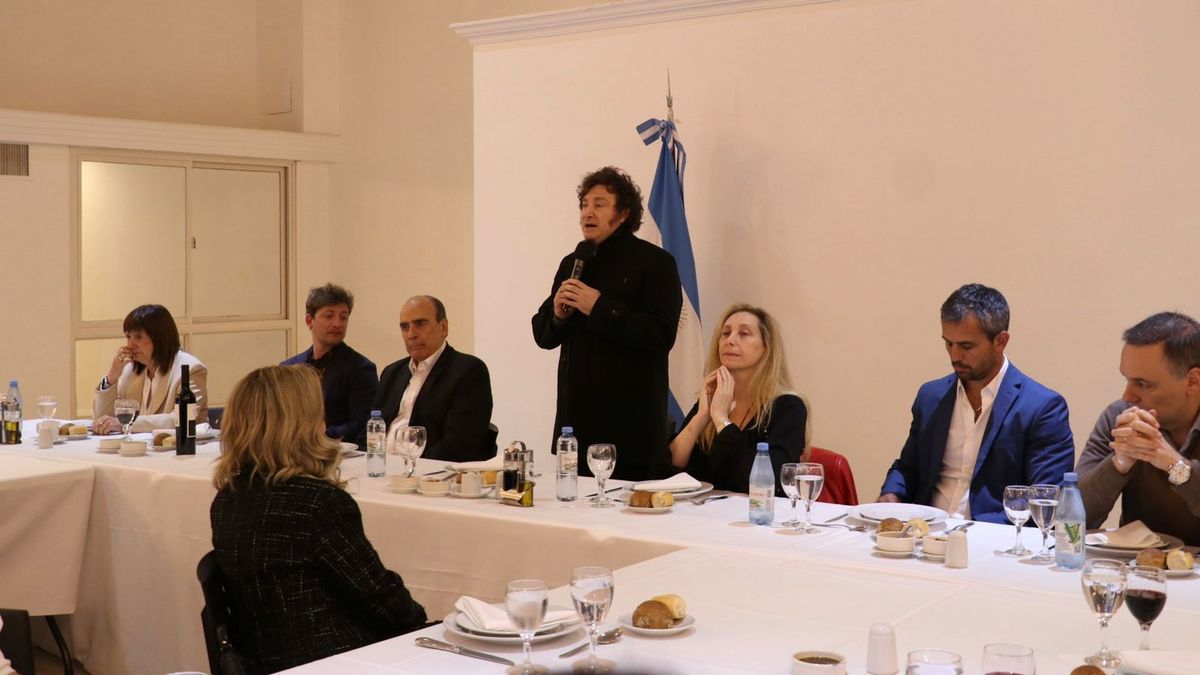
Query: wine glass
1043, 502
47, 405
1145, 596
1009, 658
525, 601
1103, 584
810, 479
787, 479
602, 459
592, 594
933, 662
127, 411
1016, 507
409, 443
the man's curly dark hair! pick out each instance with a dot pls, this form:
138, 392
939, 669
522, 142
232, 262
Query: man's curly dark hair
629, 197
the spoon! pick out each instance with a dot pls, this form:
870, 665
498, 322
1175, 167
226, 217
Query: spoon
605, 638
963, 526
701, 501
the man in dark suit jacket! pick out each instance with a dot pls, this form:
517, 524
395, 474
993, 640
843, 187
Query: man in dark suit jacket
439, 388
349, 380
987, 426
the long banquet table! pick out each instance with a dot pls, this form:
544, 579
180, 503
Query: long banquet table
758, 593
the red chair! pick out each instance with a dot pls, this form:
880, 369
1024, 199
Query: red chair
839, 479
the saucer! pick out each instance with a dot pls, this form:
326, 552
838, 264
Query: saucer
487, 491
428, 493
625, 621
894, 554
109, 451
933, 556
649, 509
402, 490
138, 453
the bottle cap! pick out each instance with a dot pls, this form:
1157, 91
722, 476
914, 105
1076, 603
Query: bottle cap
376, 413
1071, 476
568, 430
762, 447
12, 383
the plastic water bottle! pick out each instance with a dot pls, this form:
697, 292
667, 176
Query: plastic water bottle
376, 455
762, 488
12, 414
1071, 521
567, 449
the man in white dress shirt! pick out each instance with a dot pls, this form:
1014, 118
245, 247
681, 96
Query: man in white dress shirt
986, 426
437, 387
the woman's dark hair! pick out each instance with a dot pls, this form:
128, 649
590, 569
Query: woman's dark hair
629, 197
158, 325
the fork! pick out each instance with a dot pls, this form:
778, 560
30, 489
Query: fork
701, 501
852, 528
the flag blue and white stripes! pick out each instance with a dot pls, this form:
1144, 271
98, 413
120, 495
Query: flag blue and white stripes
666, 208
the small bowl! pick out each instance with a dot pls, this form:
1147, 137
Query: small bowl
818, 663
403, 482
893, 542
433, 487
934, 544
110, 443
133, 447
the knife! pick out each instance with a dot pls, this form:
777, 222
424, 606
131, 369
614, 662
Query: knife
834, 519
461, 651
615, 489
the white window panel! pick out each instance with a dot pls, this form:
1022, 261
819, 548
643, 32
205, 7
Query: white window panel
93, 358
230, 356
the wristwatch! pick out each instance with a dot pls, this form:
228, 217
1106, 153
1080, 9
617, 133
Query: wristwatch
1179, 473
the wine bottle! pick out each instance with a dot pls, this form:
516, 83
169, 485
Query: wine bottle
185, 405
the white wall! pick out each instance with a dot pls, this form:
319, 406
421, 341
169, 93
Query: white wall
849, 165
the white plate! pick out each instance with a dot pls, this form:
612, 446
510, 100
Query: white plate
109, 451
873, 513
687, 494
1180, 574
894, 554
644, 510
450, 623
625, 621
1169, 542
76, 437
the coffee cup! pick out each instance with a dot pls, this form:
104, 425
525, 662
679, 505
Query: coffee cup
934, 545
471, 485
894, 542
133, 447
403, 482
818, 663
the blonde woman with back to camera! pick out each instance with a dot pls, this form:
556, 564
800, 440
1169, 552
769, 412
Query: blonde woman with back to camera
303, 581
745, 399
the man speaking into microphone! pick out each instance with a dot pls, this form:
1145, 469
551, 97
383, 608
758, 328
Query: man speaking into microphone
613, 310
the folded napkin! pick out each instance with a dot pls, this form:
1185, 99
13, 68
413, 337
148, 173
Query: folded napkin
677, 483
1131, 535
492, 618
494, 464
1158, 662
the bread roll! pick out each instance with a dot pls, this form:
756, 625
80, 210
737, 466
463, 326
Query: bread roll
1087, 670
891, 525
1180, 559
65, 430
641, 500
169, 441
920, 528
78, 430
489, 477
674, 603
160, 439
652, 614
660, 500
1152, 557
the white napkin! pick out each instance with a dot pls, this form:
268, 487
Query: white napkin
494, 464
492, 618
1159, 662
1131, 535
677, 483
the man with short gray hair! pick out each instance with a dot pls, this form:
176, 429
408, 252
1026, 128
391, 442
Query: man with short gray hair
1145, 447
986, 426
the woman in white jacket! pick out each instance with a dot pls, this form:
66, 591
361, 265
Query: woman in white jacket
147, 369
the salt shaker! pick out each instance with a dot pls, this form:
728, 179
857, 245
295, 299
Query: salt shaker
881, 650
956, 549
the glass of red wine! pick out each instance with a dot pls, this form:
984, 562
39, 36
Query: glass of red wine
1145, 596
1008, 659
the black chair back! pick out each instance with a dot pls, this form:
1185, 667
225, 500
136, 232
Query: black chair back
217, 618
215, 413
16, 640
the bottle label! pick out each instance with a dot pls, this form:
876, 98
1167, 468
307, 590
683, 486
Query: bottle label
761, 498
1068, 538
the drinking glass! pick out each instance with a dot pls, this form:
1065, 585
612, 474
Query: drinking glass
601, 459
810, 479
127, 411
1145, 596
592, 594
1008, 659
787, 479
410, 443
1103, 584
525, 602
933, 662
1043, 502
1016, 507
47, 405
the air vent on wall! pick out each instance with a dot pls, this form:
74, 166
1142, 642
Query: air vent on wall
14, 159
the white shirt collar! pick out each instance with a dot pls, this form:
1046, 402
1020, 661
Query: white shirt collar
428, 364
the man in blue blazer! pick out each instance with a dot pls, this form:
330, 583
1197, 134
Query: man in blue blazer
986, 426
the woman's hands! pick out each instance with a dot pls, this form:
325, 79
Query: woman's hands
123, 356
718, 390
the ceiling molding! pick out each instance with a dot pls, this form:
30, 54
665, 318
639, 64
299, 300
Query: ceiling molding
606, 16
21, 126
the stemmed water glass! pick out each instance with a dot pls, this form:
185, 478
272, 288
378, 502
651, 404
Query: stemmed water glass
1043, 502
1016, 507
602, 459
787, 479
47, 405
409, 442
1103, 584
127, 411
1145, 596
525, 601
592, 594
810, 479
1009, 658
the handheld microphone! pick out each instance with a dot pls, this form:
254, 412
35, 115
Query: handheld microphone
584, 252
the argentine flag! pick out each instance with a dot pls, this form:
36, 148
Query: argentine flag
666, 208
